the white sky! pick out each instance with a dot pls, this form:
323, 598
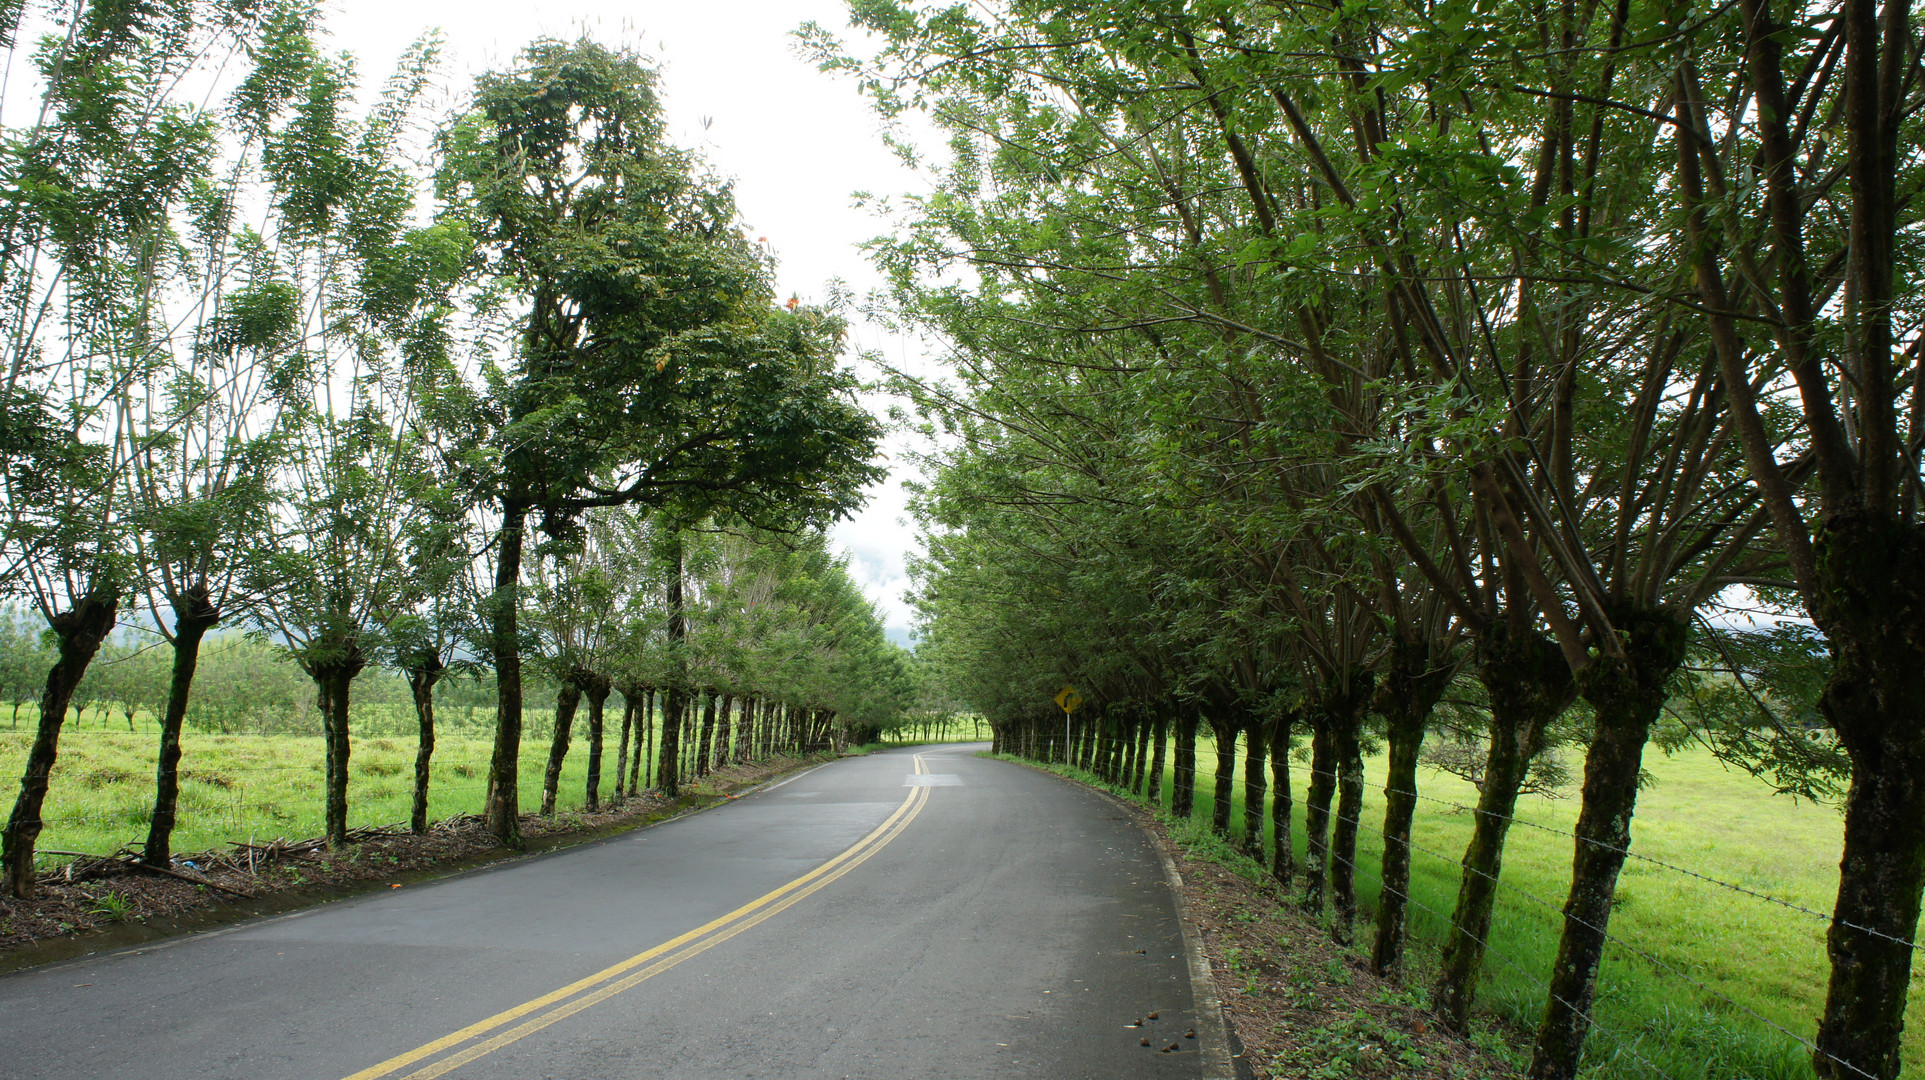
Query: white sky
797, 142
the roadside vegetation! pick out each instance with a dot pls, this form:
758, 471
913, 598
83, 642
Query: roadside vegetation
366, 463
1531, 390
1696, 813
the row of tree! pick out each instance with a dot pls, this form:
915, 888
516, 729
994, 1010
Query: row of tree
1317, 362
396, 389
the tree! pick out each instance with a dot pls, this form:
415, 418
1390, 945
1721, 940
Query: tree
646, 363
99, 188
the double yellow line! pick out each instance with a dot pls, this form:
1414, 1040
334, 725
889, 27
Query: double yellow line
484, 1037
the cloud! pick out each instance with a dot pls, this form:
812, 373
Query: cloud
877, 540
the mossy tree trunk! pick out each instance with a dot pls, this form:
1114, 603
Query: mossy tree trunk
334, 683
596, 688
566, 702
1347, 736
739, 749
1144, 726
194, 616
78, 632
1224, 728
1159, 738
424, 670
1316, 816
1627, 693
645, 762
668, 768
1413, 683
1283, 856
1529, 685
1183, 770
1255, 785
621, 748
1873, 609
504, 640
705, 744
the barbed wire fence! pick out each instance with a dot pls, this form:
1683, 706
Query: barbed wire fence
1624, 944
1627, 1046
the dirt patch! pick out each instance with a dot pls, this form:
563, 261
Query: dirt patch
1303, 1007
107, 901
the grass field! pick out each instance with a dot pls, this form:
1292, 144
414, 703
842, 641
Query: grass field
237, 786
1750, 956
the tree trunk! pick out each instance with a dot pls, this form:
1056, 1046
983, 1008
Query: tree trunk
1530, 685
621, 753
1225, 733
1875, 602
79, 632
704, 758
566, 702
1627, 696
334, 682
739, 748
423, 673
646, 758
1255, 787
1316, 818
1144, 724
194, 616
1183, 770
1283, 860
1412, 687
1159, 737
504, 798
687, 736
668, 770
597, 690
1350, 808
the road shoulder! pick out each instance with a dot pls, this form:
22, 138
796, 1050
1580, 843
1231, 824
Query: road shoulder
1294, 1004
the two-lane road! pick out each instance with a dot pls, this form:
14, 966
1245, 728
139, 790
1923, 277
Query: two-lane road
902, 915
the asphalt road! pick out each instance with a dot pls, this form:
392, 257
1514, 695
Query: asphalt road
902, 915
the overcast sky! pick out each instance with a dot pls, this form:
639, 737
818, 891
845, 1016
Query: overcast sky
797, 142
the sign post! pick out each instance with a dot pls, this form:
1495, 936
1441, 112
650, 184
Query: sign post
1067, 699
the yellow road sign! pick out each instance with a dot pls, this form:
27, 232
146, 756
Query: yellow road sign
1067, 699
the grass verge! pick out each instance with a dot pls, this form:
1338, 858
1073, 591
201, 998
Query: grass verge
1702, 978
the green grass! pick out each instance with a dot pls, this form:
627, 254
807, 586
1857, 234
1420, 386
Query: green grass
971, 729
1699, 815
239, 786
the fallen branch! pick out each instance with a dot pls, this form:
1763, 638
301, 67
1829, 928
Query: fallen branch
194, 880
